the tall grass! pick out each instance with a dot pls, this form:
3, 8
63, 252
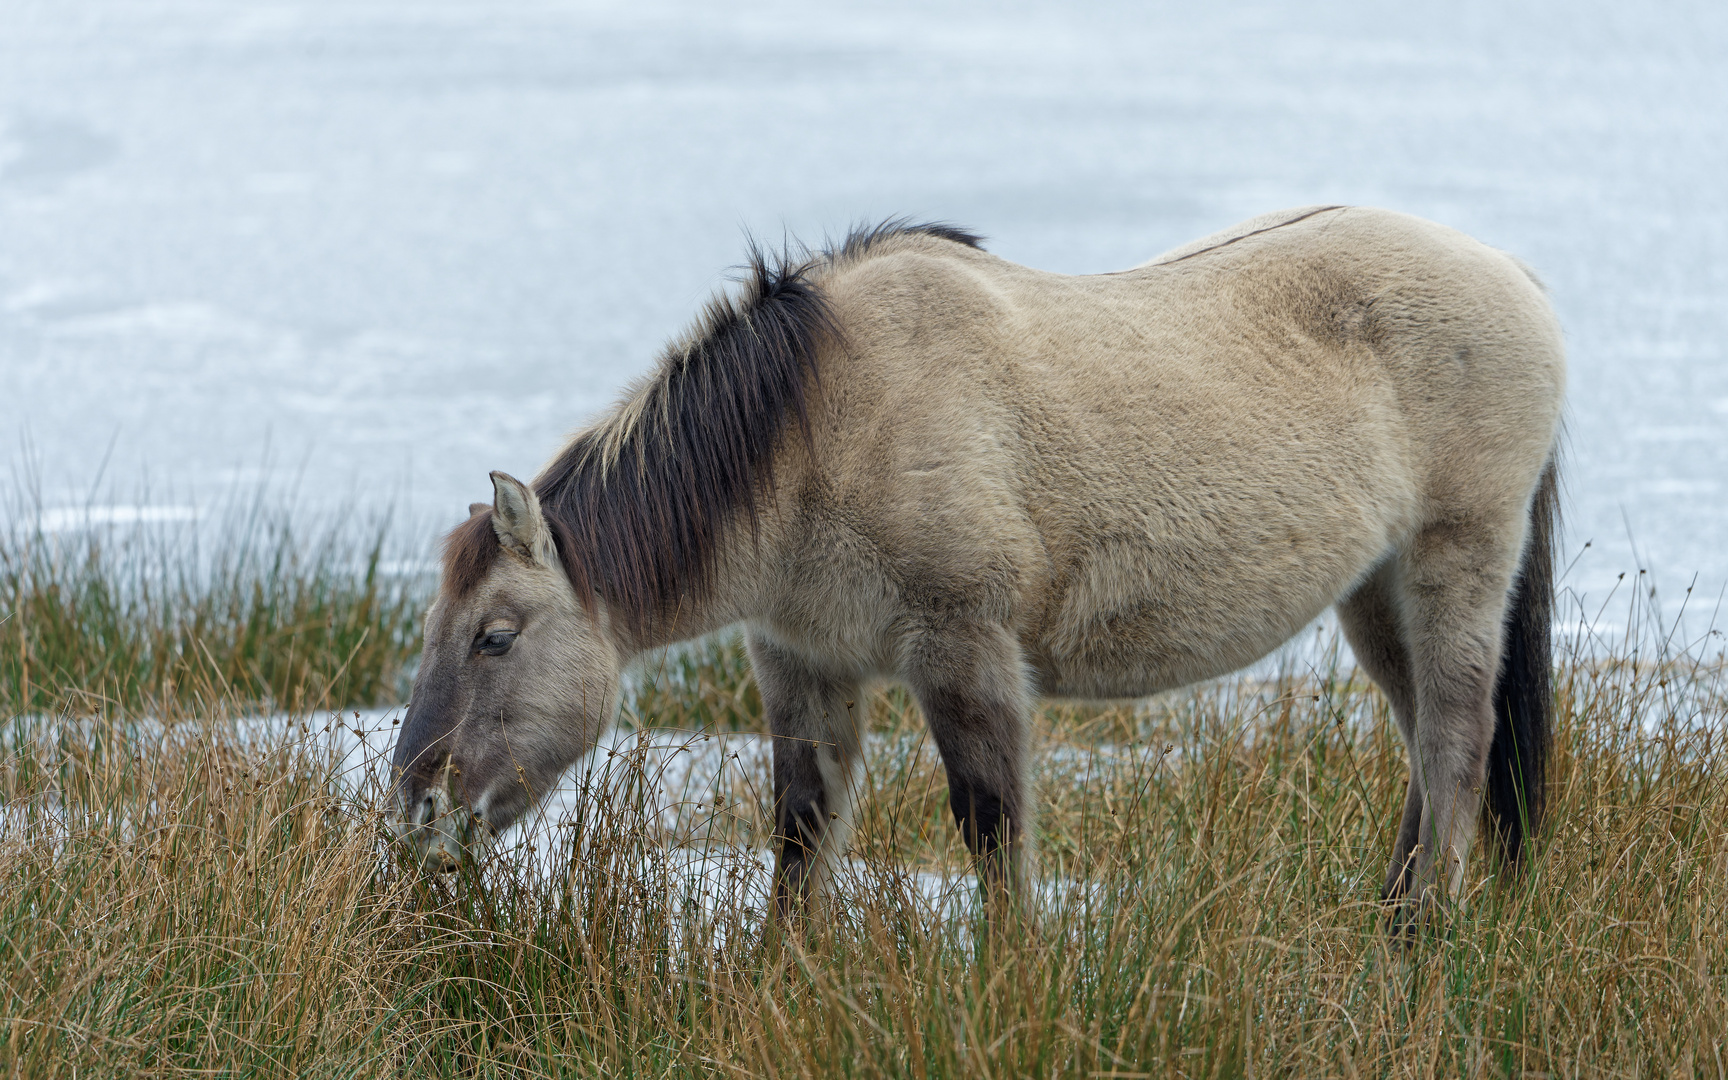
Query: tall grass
177, 899
139, 617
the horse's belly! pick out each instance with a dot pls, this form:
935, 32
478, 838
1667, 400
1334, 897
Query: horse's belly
1133, 658
1140, 616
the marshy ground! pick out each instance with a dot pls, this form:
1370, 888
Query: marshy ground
187, 889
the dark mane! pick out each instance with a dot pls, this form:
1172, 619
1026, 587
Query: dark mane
636, 503
862, 238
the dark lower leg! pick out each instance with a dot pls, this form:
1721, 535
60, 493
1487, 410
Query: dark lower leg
988, 824
1398, 874
800, 819
809, 713
981, 746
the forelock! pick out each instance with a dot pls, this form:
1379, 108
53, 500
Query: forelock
470, 551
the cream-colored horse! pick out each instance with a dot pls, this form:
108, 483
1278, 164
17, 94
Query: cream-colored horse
908, 459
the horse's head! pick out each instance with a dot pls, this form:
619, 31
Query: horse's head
516, 682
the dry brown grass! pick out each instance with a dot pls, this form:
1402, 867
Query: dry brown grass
178, 898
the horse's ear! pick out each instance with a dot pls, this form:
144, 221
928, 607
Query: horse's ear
517, 520
475, 508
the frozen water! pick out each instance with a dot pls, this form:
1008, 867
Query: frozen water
689, 783
384, 246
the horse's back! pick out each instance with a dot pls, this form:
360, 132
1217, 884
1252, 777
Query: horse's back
1276, 219
1161, 474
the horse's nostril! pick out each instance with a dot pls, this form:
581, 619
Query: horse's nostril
428, 811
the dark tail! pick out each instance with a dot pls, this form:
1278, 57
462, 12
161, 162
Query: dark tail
1524, 694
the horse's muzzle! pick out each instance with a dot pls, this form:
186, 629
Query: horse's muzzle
436, 829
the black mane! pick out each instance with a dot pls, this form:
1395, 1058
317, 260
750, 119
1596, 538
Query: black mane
862, 238
637, 502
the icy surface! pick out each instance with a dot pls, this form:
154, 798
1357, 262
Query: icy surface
402, 243
690, 782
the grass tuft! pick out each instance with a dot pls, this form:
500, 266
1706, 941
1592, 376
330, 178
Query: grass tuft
138, 618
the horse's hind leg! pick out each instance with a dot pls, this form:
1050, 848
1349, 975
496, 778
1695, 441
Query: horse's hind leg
971, 684
1371, 623
1452, 587
812, 717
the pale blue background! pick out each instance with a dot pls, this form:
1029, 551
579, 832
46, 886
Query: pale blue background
400, 243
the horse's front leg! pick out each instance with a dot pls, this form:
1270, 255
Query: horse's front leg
971, 685
813, 719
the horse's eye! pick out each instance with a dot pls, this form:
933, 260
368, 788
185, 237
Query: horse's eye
497, 643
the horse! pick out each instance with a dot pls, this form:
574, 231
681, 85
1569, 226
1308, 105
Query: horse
903, 458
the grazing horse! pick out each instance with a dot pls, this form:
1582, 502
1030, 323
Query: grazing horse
904, 458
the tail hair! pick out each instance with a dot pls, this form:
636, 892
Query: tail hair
1524, 691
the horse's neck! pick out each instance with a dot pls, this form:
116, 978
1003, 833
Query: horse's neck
733, 593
